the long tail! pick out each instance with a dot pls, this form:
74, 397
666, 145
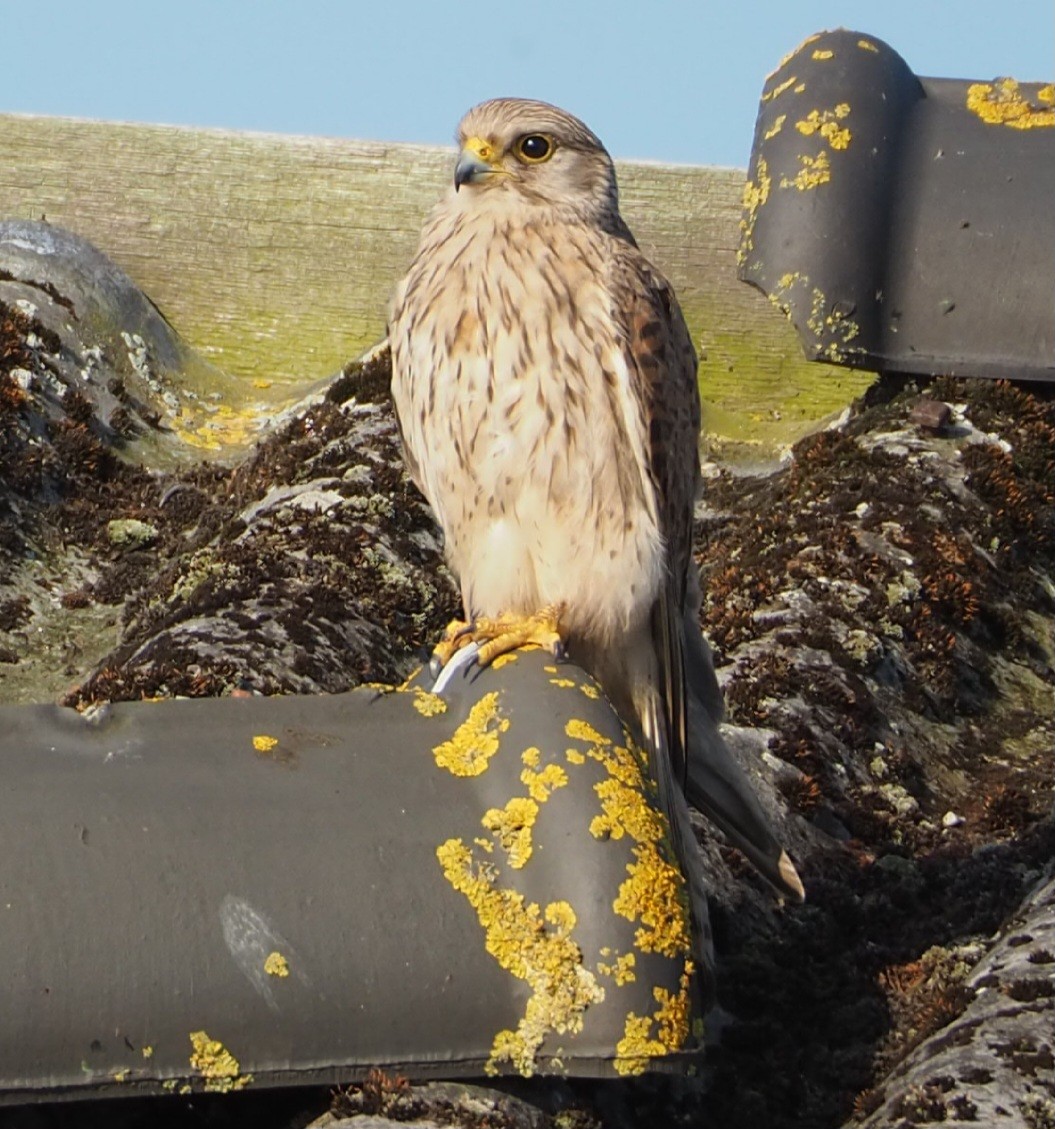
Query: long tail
715, 783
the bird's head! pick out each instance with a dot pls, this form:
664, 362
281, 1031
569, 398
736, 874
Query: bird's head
514, 149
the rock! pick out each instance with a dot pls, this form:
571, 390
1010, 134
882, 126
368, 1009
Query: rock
994, 1063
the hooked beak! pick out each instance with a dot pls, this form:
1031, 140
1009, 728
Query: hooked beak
476, 162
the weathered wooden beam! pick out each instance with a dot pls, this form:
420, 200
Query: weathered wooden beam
275, 255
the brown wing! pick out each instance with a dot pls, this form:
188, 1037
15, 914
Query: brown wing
663, 361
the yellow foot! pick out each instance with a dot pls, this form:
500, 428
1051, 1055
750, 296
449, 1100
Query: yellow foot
501, 635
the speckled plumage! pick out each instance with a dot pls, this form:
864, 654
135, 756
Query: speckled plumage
545, 384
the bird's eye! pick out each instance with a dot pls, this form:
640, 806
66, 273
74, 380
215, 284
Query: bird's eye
534, 148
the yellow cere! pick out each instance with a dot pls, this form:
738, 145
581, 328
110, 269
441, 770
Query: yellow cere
276, 965
512, 825
868, 45
427, 704
263, 743
535, 946
1003, 103
500, 661
216, 1064
825, 122
475, 741
646, 1036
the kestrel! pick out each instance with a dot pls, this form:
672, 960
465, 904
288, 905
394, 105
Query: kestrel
545, 383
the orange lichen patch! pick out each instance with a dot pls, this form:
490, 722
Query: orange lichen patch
583, 731
654, 893
475, 741
814, 171
621, 969
825, 123
868, 45
663, 1032
775, 128
1002, 103
755, 194
428, 704
216, 1064
263, 743
276, 965
779, 89
532, 944
512, 825
791, 54
543, 783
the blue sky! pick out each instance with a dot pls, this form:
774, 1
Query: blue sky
673, 81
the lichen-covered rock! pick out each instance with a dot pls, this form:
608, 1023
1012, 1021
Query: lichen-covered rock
993, 1064
882, 609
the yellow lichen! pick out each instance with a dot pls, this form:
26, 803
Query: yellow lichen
655, 895
550, 669
814, 172
428, 704
122, 1075
563, 683
621, 971
500, 661
590, 691
1002, 103
542, 783
533, 945
579, 730
821, 55
574, 756
148, 1051
799, 89
775, 128
264, 744
791, 54
825, 122
512, 824
531, 757
778, 90
670, 1021
755, 194
276, 965
216, 1064
475, 741
868, 45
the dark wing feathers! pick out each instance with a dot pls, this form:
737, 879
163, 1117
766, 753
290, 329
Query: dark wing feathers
661, 357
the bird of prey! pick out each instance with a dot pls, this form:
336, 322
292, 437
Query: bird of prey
545, 384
